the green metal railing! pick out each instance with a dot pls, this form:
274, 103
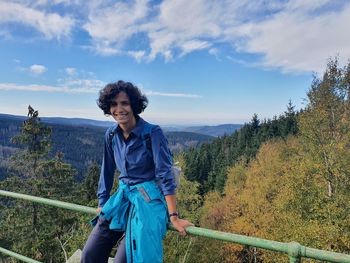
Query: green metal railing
294, 250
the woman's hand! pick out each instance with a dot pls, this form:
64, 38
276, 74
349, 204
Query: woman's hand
180, 224
98, 210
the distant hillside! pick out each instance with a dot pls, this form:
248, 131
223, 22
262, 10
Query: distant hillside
76, 121
180, 141
64, 121
82, 144
216, 131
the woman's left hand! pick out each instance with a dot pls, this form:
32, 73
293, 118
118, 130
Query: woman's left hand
180, 224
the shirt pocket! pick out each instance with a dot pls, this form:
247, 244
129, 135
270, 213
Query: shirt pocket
137, 154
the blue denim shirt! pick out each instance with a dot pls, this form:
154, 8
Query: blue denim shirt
135, 163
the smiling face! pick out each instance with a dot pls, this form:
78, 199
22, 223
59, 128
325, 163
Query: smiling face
121, 110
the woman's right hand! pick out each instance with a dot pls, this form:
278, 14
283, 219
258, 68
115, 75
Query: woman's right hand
180, 224
98, 210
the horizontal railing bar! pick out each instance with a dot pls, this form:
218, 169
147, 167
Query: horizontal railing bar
18, 256
240, 239
269, 244
326, 255
197, 231
46, 201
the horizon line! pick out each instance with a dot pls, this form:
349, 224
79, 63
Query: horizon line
98, 120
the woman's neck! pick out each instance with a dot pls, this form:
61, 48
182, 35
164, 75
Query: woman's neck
128, 127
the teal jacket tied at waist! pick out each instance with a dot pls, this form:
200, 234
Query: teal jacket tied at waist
141, 212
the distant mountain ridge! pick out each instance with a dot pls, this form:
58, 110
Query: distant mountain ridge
64, 121
214, 130
81, 144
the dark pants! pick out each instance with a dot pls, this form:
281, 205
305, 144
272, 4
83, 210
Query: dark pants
100, 243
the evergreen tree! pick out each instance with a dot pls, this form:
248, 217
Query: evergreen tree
34, 230
208, 164
91, 182
290, 125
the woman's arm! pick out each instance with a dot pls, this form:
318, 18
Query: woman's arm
163, 162
107, 172
179, 224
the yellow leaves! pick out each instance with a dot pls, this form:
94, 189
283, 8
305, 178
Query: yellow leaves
236, 178
298, 189
212, 211
281, 195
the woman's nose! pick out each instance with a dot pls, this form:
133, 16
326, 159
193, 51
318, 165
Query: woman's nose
114, 108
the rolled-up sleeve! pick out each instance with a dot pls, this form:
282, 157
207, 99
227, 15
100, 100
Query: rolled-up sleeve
162, 161
108, 167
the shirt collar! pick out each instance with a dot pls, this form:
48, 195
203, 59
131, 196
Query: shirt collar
137, 131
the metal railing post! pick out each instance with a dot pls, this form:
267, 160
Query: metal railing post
295, 252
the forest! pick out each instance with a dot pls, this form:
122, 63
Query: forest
284, 179
81, 144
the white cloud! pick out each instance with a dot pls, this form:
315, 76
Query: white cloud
183, 25
104, 48
192, 45
70, 71
51, 25
14, 86
242, 62
298, 40
5, 34
79, 81
110, 26
179, 95
290, 35
138, 55
173, 28
55, 2
294, 36
215, 52
301, 5
67, 86
37, 69
83, 86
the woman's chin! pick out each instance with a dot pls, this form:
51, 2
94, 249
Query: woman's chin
123, 121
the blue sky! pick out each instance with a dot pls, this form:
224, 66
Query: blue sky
198, 61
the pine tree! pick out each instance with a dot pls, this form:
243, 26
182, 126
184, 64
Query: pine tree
34, 230
91, 182
290, 125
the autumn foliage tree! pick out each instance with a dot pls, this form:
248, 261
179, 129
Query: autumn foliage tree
297, 187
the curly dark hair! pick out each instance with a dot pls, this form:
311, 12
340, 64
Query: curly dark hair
138, 100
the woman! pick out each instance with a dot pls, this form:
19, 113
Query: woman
138, 213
